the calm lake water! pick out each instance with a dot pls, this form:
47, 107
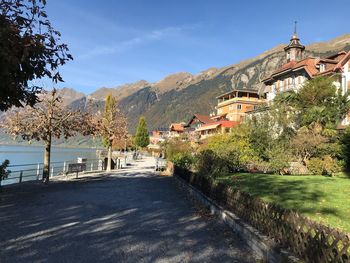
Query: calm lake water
25, 160
35, 154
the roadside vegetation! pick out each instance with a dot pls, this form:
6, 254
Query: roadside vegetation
290, 153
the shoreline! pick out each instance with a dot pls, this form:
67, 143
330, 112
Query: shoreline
53, 146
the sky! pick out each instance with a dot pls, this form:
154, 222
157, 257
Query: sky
118, 42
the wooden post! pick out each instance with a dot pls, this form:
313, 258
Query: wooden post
64, 167
92, 165
51, 172
20, 176
38, 171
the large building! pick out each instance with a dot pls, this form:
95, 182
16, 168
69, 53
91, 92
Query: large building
298, 69
233, 105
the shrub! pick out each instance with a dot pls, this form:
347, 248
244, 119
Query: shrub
345, 142
183, 159
210, 163
279, 159
315, 165
324, 166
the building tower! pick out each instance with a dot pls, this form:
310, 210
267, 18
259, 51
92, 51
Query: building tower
294, 50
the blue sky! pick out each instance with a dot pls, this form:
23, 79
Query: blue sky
116, 42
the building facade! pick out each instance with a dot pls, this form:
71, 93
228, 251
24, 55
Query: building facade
298, 69
233, 105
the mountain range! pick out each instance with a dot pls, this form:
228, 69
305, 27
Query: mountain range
178, 96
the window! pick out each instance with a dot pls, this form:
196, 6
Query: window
274, 88
230, 107
322, 67
239, 107
293, 80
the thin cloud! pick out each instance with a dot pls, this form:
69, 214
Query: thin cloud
154, 35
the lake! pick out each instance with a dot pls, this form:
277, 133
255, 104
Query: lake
35, 154
27, 158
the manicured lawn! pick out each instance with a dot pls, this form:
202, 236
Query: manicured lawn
324, 199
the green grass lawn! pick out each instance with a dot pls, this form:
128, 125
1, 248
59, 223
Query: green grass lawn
323, 199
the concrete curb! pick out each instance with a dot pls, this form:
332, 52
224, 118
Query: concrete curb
262, 246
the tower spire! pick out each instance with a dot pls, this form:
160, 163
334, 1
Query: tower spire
294, 50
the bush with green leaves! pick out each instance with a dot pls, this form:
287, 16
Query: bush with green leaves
345, 148
184, 160
210, 163
279, 159
324, 166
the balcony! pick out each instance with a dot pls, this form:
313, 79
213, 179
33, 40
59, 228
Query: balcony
239, 100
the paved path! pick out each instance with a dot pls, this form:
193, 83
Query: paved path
130, 216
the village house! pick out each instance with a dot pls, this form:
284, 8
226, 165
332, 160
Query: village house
216, 127
298, 69
234, 104
159, 135
176, 129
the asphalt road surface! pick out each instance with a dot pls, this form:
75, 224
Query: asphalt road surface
128, 216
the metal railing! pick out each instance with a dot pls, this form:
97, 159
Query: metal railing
34, 171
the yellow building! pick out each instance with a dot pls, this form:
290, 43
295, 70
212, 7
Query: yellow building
234, 104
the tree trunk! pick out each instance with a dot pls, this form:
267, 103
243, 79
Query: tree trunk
109, 158
47, 157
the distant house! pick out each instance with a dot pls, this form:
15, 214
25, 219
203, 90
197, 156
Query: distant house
197, 120
176, 129
216, 127
234, 104
159, 135
298, 69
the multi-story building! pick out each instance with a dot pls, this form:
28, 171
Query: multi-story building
298, 69
233, 105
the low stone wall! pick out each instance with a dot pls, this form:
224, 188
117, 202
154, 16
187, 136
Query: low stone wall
303, 237
262, 246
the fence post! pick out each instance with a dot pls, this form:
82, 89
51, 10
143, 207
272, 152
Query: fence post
51, 171
92, 165
20, 176
38, 171
64, 167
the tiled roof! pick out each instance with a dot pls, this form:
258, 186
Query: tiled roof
213, 125
203, 118
334, 63
176, 127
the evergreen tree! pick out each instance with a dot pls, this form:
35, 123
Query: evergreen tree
142, 136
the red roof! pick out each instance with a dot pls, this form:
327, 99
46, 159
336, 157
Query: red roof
202, 118
177, 127
310, 65
223, 123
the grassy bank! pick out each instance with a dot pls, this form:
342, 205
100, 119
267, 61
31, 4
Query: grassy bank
324, 199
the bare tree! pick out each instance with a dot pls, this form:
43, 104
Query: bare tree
111, 125
46, 120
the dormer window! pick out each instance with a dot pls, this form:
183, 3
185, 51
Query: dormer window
322, 67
